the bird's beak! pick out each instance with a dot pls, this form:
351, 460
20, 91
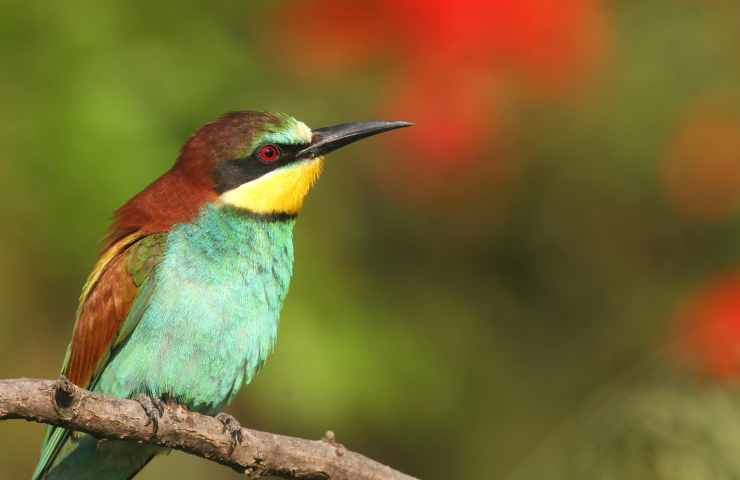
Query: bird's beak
327, 139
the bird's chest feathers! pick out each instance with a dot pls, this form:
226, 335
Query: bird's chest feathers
212, 317
236, 263
226, 276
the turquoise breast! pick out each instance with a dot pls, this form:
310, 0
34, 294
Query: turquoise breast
209, 311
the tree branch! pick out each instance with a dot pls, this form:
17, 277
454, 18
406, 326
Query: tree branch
258, 454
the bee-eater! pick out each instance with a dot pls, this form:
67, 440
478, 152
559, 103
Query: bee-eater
183, 303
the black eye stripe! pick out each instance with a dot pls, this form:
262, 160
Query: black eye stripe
229, 174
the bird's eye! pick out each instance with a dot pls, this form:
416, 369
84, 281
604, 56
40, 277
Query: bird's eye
268, 153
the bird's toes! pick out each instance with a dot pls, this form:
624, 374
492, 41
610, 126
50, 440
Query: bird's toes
154, 409
232, 427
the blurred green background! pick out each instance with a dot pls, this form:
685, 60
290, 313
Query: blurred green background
489, 296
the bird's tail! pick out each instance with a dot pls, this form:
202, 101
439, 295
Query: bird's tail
54, 440
91, 459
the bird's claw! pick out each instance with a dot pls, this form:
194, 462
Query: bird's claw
154, 409
232, 427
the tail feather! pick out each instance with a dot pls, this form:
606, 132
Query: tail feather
54, 440
89, 459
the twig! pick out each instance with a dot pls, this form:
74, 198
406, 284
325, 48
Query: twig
59, 402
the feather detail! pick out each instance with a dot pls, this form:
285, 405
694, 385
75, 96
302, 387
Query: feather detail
104, 303
173, 198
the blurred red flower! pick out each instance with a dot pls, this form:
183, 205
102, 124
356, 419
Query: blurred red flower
701, 172
450, 62
709, 329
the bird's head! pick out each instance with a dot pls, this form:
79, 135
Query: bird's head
261, 163
266, 163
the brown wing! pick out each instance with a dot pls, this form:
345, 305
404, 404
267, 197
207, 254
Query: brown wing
102, 317
105, 301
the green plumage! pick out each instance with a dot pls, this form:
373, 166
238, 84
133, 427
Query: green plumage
207, 318
184, 303
204, 321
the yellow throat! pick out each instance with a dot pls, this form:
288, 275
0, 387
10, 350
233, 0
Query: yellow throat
280, 191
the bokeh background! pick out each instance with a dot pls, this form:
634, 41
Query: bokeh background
539, 280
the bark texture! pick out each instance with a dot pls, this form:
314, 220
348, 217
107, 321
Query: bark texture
59, 402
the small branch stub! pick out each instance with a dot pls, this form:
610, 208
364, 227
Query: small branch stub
258, 453
331, 439
64, 393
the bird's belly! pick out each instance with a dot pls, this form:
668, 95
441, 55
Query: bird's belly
197, 343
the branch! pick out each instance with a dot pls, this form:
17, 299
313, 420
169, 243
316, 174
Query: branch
259, 454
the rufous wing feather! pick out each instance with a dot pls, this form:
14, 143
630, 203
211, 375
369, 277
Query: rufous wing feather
102, 319
105, 303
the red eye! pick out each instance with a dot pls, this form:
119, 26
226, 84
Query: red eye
268, 153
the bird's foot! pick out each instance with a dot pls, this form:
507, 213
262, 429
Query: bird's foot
232, 427
154, 409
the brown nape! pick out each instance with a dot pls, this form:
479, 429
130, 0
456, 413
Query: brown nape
173, 198
178, 195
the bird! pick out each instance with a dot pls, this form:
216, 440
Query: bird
183, 303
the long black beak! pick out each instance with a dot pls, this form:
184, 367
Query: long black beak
328, 139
